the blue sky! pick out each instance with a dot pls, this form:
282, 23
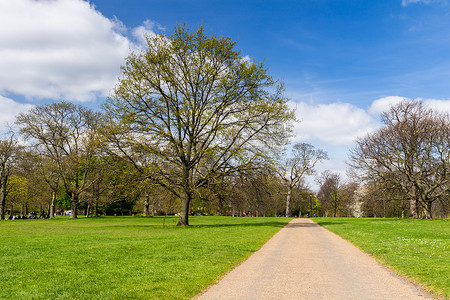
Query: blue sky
343, 62
354, 51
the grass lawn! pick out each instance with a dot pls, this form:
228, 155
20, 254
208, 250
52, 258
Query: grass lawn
419, 249
123, 257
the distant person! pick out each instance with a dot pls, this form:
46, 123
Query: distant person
42, 214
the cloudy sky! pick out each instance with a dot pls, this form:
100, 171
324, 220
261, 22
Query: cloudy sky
343, 62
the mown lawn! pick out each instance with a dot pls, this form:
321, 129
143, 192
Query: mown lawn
123, 257
419, 249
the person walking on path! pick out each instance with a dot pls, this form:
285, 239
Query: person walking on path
306, 261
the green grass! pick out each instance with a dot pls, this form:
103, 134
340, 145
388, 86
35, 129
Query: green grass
123, 257
418, 249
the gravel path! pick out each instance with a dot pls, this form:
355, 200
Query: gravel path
306, 261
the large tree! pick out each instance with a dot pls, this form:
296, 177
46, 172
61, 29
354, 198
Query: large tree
302, 162
66, 134
197, 109
411, 151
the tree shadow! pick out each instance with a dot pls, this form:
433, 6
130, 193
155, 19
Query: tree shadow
297, 225
259, 224
329, 223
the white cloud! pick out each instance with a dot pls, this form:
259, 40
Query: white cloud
335, 123
59, 49
147, 28
383, 104
439, 105
9, 109
408, 2
246, 59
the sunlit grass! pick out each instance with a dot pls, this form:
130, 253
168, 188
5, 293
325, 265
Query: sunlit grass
419, 249
123, 257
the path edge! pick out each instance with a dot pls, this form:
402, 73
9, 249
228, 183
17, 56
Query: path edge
397, 273
203, 291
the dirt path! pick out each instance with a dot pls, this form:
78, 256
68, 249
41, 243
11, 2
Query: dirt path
305, 261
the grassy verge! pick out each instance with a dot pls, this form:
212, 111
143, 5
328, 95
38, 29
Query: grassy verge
419, 249
123, 257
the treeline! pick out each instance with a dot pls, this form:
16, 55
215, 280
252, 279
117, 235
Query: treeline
194, 127
67, 163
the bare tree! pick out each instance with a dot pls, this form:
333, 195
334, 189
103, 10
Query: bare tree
330, 193
383, 199
302, 162
413, 145
196, 109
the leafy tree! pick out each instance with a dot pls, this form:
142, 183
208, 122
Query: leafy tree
195, 109
44, 179
18, 190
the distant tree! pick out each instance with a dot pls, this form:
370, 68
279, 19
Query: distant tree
381, 199
411, 151
17, 190
9, 153
330, 193
197, 109
336, 196
349, 195
302, 162
43, 171
66, 134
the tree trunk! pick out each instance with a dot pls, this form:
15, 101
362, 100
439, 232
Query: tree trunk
88, 210
184, 215
146, 205
95, 208
335, 206
3, 198
413, 209
220, 205
74, 206
185, 197
428, 210
288, 201
52, 206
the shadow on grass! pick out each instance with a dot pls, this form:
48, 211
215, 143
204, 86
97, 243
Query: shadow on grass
328, 223
268, 224
194, 226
